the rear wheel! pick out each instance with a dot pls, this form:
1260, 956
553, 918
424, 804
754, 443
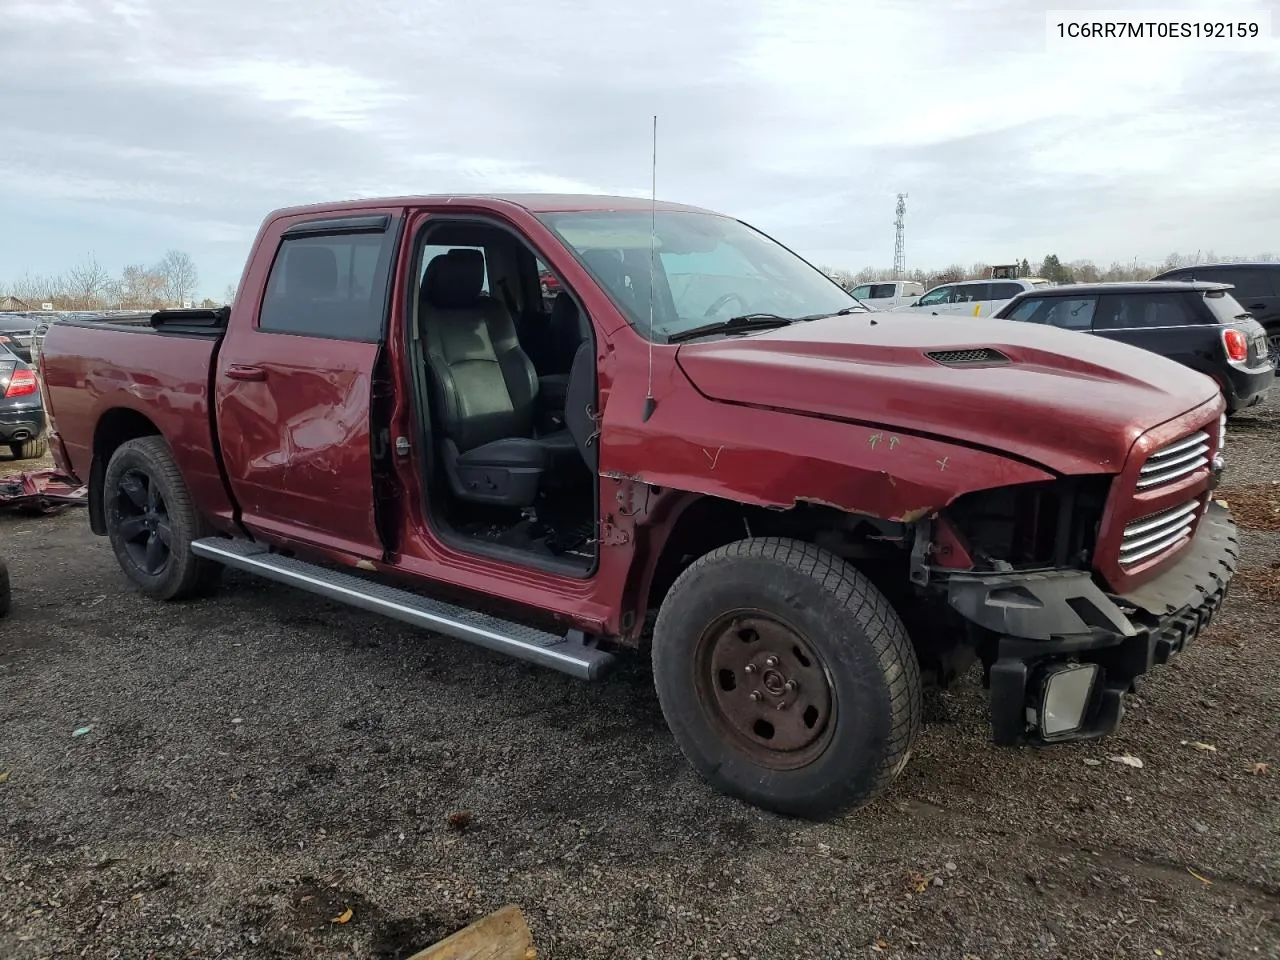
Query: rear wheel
29, 449
152, 522
786, 678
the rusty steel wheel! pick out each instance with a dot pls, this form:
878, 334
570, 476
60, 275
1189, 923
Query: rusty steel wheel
767, 687
786, 677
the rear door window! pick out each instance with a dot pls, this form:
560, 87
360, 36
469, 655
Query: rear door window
1133, 311
1069, 313
1005, 291
1250, 285
334, 287
972, 292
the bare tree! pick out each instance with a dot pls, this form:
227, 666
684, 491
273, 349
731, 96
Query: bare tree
229, 295
88, 283
141, 288
180, 277
36, 289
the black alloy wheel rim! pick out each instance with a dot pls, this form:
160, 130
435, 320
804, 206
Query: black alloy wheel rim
142, 522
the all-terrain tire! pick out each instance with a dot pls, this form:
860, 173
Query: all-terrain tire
875, 698
4, 589
183, 575
29, 449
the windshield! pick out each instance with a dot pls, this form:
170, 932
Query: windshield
706, 268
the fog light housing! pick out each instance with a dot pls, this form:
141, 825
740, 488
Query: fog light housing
1065, 696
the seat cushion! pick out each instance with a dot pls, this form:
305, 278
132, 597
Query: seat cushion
512, 452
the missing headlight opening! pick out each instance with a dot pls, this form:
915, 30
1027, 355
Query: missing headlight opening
1033, 525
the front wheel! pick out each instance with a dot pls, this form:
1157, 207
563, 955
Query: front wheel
786, 678
152, 522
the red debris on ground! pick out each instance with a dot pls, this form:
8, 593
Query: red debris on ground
40, 492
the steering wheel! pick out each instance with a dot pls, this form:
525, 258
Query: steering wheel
721, 301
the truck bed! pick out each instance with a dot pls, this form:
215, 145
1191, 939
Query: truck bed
144, 374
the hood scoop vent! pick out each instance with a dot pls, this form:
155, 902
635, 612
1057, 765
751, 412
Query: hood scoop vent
980, 357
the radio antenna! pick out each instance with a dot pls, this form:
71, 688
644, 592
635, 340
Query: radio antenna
649, 402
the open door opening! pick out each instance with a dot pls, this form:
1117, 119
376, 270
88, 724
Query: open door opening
505, 362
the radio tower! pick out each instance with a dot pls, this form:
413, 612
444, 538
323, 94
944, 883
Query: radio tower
899, 237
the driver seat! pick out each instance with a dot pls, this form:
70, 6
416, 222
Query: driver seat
484, 387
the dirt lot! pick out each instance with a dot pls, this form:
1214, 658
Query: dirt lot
256, 764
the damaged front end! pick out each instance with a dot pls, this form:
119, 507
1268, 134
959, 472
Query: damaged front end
1059, 647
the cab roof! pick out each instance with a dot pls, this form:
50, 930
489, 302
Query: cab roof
532, 202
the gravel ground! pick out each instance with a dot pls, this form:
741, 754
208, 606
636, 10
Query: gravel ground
258, 763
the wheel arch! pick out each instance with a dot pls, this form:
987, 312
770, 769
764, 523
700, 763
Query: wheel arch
697, 524
116, 426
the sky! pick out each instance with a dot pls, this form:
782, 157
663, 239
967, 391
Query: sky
129, 127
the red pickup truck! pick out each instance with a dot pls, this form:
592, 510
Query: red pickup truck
701, 449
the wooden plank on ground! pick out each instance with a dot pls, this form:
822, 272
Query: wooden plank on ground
502, 935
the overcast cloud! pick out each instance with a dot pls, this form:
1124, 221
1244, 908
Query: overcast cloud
131, 126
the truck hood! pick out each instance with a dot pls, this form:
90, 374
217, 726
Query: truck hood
1068, 401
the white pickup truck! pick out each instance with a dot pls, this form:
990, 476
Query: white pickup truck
888, 294
972, 298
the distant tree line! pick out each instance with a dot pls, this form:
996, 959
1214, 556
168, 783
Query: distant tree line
90, 286
1050, 268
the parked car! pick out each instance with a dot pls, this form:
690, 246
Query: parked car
16, 332
972, 298
889, 294
22, 416
815, 511
1200, 325
1255, 285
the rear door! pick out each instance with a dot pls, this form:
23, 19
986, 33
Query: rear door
1001, 292
1256, 288
971, 300
1174, 325
294, 379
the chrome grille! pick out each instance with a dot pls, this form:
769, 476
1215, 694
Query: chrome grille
1149, 536
1175, 461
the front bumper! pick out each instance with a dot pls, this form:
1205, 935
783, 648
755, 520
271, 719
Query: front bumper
1045, 621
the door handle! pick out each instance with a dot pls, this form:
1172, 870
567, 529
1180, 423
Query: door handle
240, 371
1257, 306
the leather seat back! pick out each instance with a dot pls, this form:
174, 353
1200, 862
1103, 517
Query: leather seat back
564, 333
484, 387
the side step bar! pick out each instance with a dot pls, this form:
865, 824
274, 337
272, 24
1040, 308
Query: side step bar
568, 654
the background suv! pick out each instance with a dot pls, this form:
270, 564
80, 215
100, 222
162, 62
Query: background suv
1199, 325
1257, 287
